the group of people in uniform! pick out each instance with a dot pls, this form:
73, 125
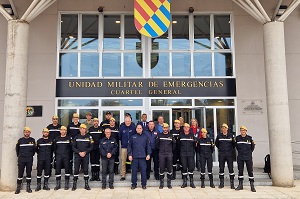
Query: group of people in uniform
140, 144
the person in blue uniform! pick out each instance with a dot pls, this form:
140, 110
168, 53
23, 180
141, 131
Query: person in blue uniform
245, 146
139, 150
25, 149
152, 134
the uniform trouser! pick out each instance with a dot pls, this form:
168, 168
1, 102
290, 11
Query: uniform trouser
229, 160
117, 160
188, 165
21, 167
138, 163
165, 161
176, 156
249, 165
71, 162
65, 162
43, 165
198, 163
154, 157
206, 161
95, 160
123, 161
84, 162
108, 167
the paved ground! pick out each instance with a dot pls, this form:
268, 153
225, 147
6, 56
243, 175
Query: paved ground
155, 193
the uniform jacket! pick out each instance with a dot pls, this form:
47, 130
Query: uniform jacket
115, 133
54, 131
104, 124
187, 144
73, 129
225, 144
63, 146
25, 148
152, 135
82, 143
44, 149
125, 133
108, 145
139, 146
165, 143
245, 146
175, 133
205, 146
97, 134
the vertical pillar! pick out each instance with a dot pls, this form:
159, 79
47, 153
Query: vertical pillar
277, 105
15, 99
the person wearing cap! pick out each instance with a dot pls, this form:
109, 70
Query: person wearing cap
225, 144
205, 147
245, 146
144, 122
82, 146
196, 131
88, 122
25, 149
115, 134
105, 123
73, 130
125, 133
54, 128
159, 124
165, 143
175, 132
96, 132
62, 150
187, 144
44, 149
139, 150
152, 134
108, 148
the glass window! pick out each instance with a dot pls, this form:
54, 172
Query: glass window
89, 32
89, 65
181, 64
65, 116
171, 102
111, 64
214, 102
160, 65
180, 32
132, 37
164, 113
78, 102
112, 35
223, 64
122, 102
69, 32
222, 32
226, 116
202, 64
202, 32
161, 43
68, 64
133, 65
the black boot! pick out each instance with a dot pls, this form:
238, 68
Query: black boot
174, 173
232, 184
192, 181
38, 184
111, 185
86, 185
28, 189
184, 183
161, 181
211, 181
18, 187
74, 185
97, 178
93, 178
240, 187
252, 186
221, 183
169, 176
57, 187
202, 183
45, 187
116, 169
67, 180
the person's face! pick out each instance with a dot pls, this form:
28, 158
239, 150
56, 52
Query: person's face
75, 119
177, 125
88, 117
181, 120
139, 129
151, 125
166, 130
82, 131
224, 130
243, 132
127, 122
112, 122
54, 121
107, 133
204, 134
63, 132
45, 134
160, 120
194, 123
96, 123
186, 129
108, 116
27, 134
144, 118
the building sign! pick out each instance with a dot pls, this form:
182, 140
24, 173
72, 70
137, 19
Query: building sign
34, 111
150, 87
252, 106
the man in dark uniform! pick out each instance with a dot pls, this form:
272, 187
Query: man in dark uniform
82, 145
187, 153
73, 130
105, 123
165, 144
205, 148
245, 146
54, 128
96, 133
44, 149
175, 132
62, 150
115, 134
139, 151
225, 143
88, 122
25, 149
108, 148
152, 134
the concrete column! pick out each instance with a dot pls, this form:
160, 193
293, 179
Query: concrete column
15, 99
277, 104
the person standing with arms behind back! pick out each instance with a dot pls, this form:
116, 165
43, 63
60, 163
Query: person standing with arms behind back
245, 146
